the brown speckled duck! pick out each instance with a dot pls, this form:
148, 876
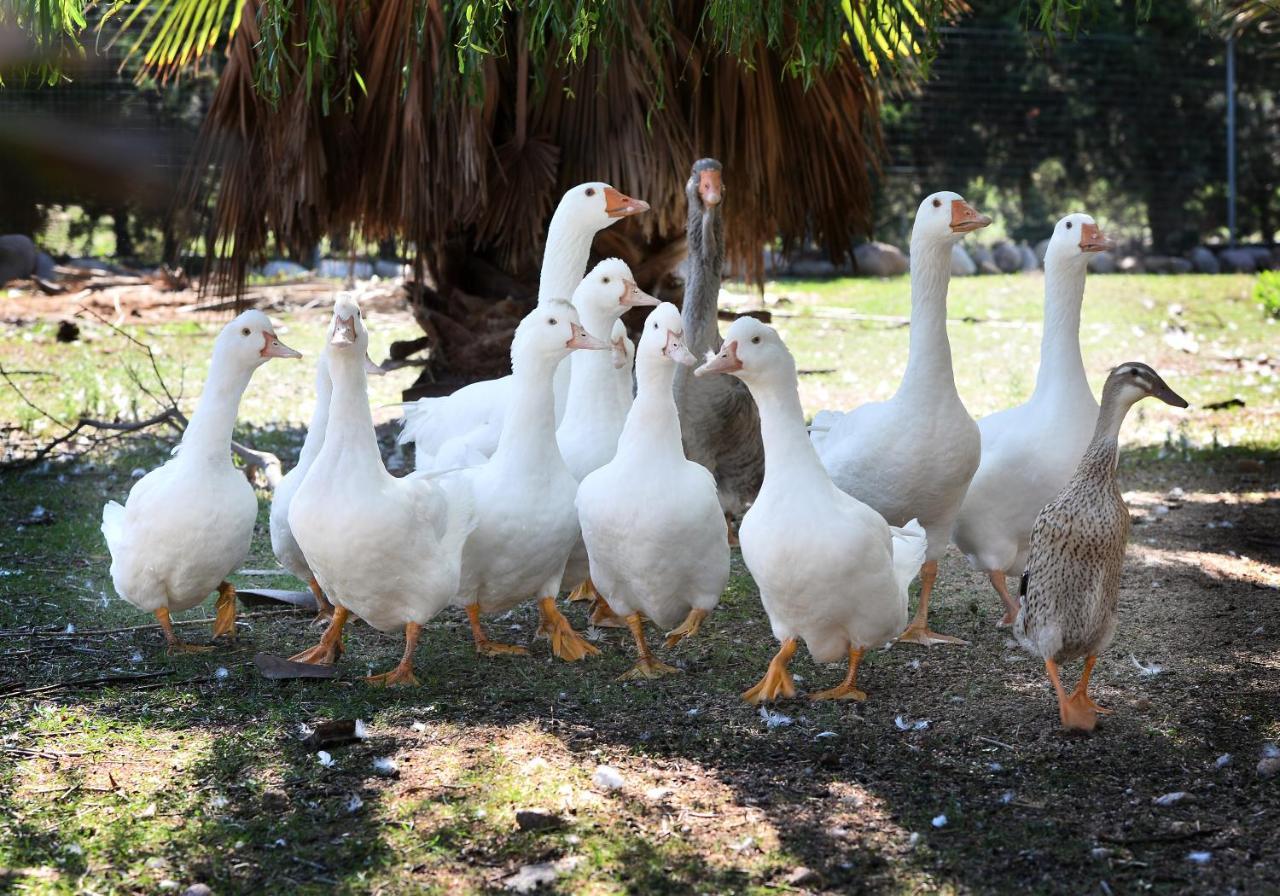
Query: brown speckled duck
1072, 580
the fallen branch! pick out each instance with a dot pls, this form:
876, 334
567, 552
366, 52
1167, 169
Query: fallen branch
84, 682
57, 633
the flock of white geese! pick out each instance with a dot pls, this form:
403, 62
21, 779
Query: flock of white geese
614, 468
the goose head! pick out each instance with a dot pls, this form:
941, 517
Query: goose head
663, 337
250, 341
1133, 381
624, 350
609, 289
945, 217
752, 351
705, 187
347, 328
1075, 238
550, 332
597, 205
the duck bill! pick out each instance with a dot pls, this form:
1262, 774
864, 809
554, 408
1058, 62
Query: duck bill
1094, 240
620, 205
634, 297
965, 218
582, 339
710, 188
619, 348
1168, 396
344, 331
371, 368
675, 351
725, 362
272, 347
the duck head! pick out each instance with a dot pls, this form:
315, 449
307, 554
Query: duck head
1133, 381
663, 337
598, 205
250, 341
610, 289
551, 331
752, 351
945, 217
1076, 237
705, 187
347, 329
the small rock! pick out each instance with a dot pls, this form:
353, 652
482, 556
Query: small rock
1200, 858
1204, 261
880, 260
1170, 799
939, 821
197, 890
961, 264
1041, 250
538, 820
274, 799
1008, 257
1100, 852
1237, 261
608, 777
1029, 260
1223, 761
1268, 767
1102, 263
985, 261
800, 876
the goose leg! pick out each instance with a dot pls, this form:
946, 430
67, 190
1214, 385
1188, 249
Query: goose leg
485, 647
1081, 693
586, 590
728, 525
847, 689
327, 652
647, 666
602, 615
777, 682
1011, 607
1074, 714
918, 631
565, 642
686, 629
174, 644
322, 602
224, 620
402, 675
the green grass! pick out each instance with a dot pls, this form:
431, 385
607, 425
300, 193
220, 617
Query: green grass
193, 776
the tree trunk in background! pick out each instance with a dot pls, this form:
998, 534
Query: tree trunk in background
1166, 219
120, 225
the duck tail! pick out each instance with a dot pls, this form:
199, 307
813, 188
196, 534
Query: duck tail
113, 525
909, 546
415, 423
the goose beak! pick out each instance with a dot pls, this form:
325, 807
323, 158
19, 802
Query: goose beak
620, 205
371, 368
344, 331
1168, 396
965, 218
634, 297
619, 347
582, 339
710, 188
725, 362
1094, 240
675, 350
272, 347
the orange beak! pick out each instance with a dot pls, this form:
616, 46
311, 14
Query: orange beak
272, 347
620, 205
675, 351
725, 362
1094, 240
582, 339
710, 187
633, 297
965, 218
344, 331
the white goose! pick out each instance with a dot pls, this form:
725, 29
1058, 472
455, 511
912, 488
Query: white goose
597, 407
1030, 452
912, 457
471, 418
651, 518
188, 524
830, 569
388, 550
524, 494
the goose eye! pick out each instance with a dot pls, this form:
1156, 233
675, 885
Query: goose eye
244, 332
606, 279
1068, 225
937, 203
552, 322
755, 340
591, 191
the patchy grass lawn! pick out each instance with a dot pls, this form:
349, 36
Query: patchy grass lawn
193, 769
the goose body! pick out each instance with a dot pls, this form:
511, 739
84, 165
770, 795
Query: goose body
651, 520
385, 549
719, 423
188, 524
831, 571
1072, 580
466, 425
912, 457
1030, 452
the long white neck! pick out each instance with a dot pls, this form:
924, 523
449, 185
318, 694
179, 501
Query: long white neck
652, 430
529, 428
789, 456
349, 439
929, 351
564, 260
319, 417
208, 436
593, 393
1061, 372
